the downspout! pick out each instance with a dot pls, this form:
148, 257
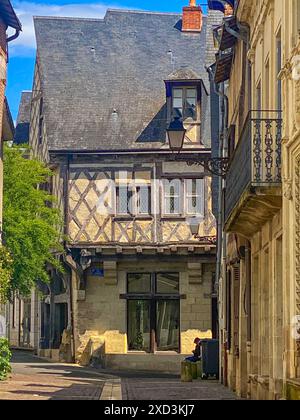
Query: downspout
221, 250
224, 104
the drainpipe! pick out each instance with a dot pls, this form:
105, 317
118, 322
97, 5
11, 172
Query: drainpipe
221, 251
220, 91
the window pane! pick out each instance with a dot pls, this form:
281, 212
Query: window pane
195, 196
139, 325
167, 329
178, 93
172, 187
191, 94
191, 104
193, 205
144, 200
139, 283
177, 103
124, 200
172, 205
172, 190
167, 283
191, 112
178, 112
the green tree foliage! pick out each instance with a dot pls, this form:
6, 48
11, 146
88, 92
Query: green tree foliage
31, 221
6, 271
5, 357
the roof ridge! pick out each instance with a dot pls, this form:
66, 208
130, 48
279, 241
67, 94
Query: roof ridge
110, 10
149, 12
69, 18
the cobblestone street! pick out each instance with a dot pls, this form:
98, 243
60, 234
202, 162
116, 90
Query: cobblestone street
36, 379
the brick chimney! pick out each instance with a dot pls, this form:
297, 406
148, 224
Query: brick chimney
192, 18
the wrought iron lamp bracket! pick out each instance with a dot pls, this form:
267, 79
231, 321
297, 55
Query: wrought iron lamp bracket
212, 240
215, 166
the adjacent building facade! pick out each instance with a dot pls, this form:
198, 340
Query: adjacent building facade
8, 19
257, 64
137, 287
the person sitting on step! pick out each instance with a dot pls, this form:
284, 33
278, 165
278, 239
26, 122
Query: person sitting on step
197, 352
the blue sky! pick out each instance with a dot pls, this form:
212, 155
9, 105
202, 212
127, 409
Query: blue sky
22, 51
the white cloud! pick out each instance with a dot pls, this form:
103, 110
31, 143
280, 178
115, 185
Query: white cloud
25, 45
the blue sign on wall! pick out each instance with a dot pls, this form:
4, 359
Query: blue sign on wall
97, 272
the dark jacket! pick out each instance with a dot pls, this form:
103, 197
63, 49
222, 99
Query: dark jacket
197, 352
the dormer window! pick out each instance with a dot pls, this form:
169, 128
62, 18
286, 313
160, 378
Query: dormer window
185, 103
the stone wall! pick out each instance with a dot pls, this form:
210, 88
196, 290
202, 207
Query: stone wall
101, 316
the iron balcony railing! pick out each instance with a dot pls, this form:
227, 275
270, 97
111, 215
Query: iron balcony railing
256, 161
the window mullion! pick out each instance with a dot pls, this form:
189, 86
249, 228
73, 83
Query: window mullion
184, 102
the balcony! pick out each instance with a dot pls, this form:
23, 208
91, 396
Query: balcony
253, 193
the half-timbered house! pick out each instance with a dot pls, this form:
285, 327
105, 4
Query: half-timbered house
138, 286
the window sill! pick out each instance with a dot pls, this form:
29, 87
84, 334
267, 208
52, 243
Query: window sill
131, 218
173, 217
156, 353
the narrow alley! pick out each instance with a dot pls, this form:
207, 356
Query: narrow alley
36, 379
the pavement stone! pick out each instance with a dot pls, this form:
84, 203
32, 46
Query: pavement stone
37, 379
171, 389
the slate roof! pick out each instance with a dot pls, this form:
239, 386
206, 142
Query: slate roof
103, 80
8, 127
23, 120
9, 16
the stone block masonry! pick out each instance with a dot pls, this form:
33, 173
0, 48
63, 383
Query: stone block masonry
102, 316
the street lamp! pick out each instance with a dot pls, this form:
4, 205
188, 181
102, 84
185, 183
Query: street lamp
176, 134
194, 223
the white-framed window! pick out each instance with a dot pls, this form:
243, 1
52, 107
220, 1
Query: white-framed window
185, 101
133, 197
184, 197
172, 197
195, 197
143, 200
124, 201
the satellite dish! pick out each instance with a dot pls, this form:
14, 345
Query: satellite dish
2, 327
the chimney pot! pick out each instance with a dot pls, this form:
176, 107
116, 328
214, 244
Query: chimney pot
192, 18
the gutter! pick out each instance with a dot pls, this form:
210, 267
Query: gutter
15, 36
129, 152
